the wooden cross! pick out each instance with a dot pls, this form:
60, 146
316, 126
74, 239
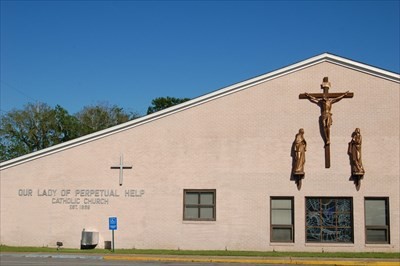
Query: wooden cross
121, 168
325, 100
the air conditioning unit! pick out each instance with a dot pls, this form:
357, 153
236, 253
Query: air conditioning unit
89, 239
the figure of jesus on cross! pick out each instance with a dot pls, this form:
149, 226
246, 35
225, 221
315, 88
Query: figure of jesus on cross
326, 106
325, 100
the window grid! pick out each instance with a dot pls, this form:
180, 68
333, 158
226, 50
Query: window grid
329, 220
200, 209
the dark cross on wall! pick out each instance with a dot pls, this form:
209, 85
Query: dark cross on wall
121, 168
325, 100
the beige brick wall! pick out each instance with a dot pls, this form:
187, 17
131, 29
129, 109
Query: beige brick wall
240, 145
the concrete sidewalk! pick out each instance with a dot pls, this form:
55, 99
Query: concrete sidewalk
257, 260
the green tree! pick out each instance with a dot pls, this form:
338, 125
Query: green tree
35, 127
102, 116
66, 124
161, 103
38, 126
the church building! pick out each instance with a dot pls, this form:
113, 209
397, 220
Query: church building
304, 158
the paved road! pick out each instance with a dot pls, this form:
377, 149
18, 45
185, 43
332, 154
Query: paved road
39, 259
69, 260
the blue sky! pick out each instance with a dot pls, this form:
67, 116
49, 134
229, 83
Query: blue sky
79, 53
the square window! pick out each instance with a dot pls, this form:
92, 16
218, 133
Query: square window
199, 205
329, 220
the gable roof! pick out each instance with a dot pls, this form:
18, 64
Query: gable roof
326, 57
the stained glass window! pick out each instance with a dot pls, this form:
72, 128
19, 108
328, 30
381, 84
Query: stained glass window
329, 220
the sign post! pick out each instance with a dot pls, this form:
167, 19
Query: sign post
112, 225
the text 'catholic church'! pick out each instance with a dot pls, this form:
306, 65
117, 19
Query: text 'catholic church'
304, 158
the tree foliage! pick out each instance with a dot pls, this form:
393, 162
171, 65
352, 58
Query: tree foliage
161, 103
38, 126
33, 128
102, 116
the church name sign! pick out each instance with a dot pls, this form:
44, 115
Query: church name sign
80, 199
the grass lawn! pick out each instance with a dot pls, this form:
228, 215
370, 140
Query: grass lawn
381, 255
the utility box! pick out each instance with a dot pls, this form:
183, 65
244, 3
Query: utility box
89, 239
107, 245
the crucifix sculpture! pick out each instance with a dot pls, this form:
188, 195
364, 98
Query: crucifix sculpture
325, 100
121, 168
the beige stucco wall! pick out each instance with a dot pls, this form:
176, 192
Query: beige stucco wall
240, 145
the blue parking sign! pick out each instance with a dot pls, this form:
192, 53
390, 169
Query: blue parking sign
112, 223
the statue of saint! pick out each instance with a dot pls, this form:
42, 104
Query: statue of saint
354, 152
300, 146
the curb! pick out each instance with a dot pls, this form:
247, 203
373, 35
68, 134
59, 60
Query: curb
217, 259
297, 261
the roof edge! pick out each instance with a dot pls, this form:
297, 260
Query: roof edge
325, 57
382, 73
